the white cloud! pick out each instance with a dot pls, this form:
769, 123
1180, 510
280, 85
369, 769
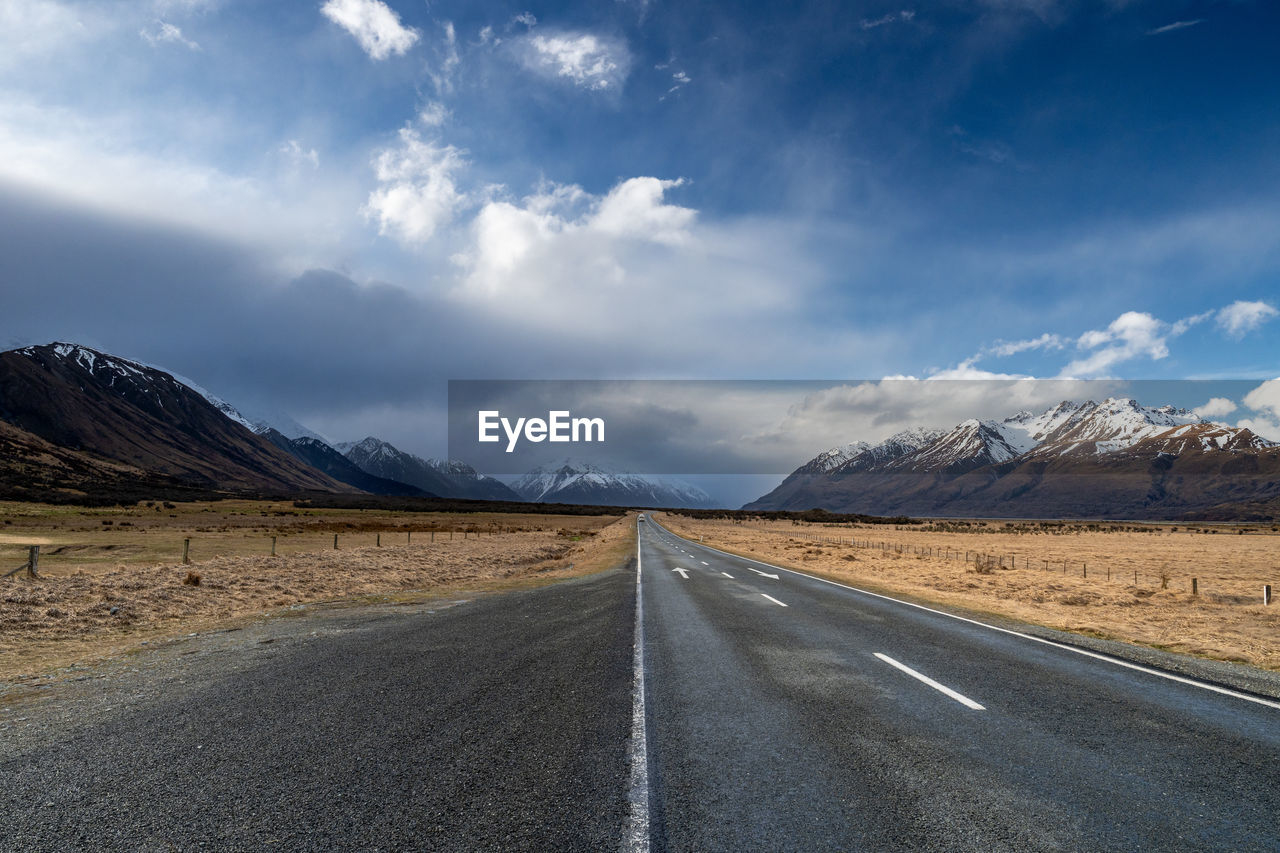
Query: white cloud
433, 114
634, 208
443, 76
1215, 408
298, 155
1004, 349
1265, 398
559, 222
1134, 334
1176, 25
589, 61
30, 28
525, 18
1180, 326
1240, 318
418, 192
905, 16
166, 33
374, 24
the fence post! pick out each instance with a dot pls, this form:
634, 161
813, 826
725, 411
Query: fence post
186, 551
1195, 586
33, 561
433, 536
379, 540
335, 541
273, 546
1266, 594
1085, 571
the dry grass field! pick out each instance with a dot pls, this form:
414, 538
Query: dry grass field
112, 579
1069, 575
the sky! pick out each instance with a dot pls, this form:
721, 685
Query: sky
332, 208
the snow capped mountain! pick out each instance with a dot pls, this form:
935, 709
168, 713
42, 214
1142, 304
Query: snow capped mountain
446, 478
120, 374
1073, 459
575, 482
831, 459
873, 456
1114, 424
970, 444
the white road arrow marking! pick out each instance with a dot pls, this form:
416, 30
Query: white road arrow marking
763, 574
962, 699
684, 573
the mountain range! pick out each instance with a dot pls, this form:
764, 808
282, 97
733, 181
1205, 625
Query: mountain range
1113, 459
77, 424
572, 482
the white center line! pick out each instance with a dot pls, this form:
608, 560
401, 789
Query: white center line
726, 574
704, 562
637, 840
941, 688
774, 600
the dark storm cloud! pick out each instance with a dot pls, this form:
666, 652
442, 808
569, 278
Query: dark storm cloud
319, 344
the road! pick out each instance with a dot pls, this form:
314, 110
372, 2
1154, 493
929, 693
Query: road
787, 713
772, 712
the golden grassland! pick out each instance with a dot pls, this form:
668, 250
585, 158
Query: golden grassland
1073, 576
106, 588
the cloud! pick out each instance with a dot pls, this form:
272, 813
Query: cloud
31, 28
905, 16
418, 192
1265, 398
634, 208
525, 18
1004, 349
1132, 335
374, 24
587, 60
166, 33
560, 222
1215, 408
298, 155
1176, 25
449, 60
1240, 317
433, 114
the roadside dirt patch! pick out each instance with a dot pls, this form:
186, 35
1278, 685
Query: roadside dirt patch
60, 618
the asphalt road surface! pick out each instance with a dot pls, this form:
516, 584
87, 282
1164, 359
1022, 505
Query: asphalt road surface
772, 712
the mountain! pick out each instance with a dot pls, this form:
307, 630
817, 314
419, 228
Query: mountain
1113, 459
322, 457
452, 479
573, 482
104, 415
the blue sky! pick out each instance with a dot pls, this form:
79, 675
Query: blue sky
334, 207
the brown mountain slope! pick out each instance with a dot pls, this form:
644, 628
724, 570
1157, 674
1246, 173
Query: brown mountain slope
108, 410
